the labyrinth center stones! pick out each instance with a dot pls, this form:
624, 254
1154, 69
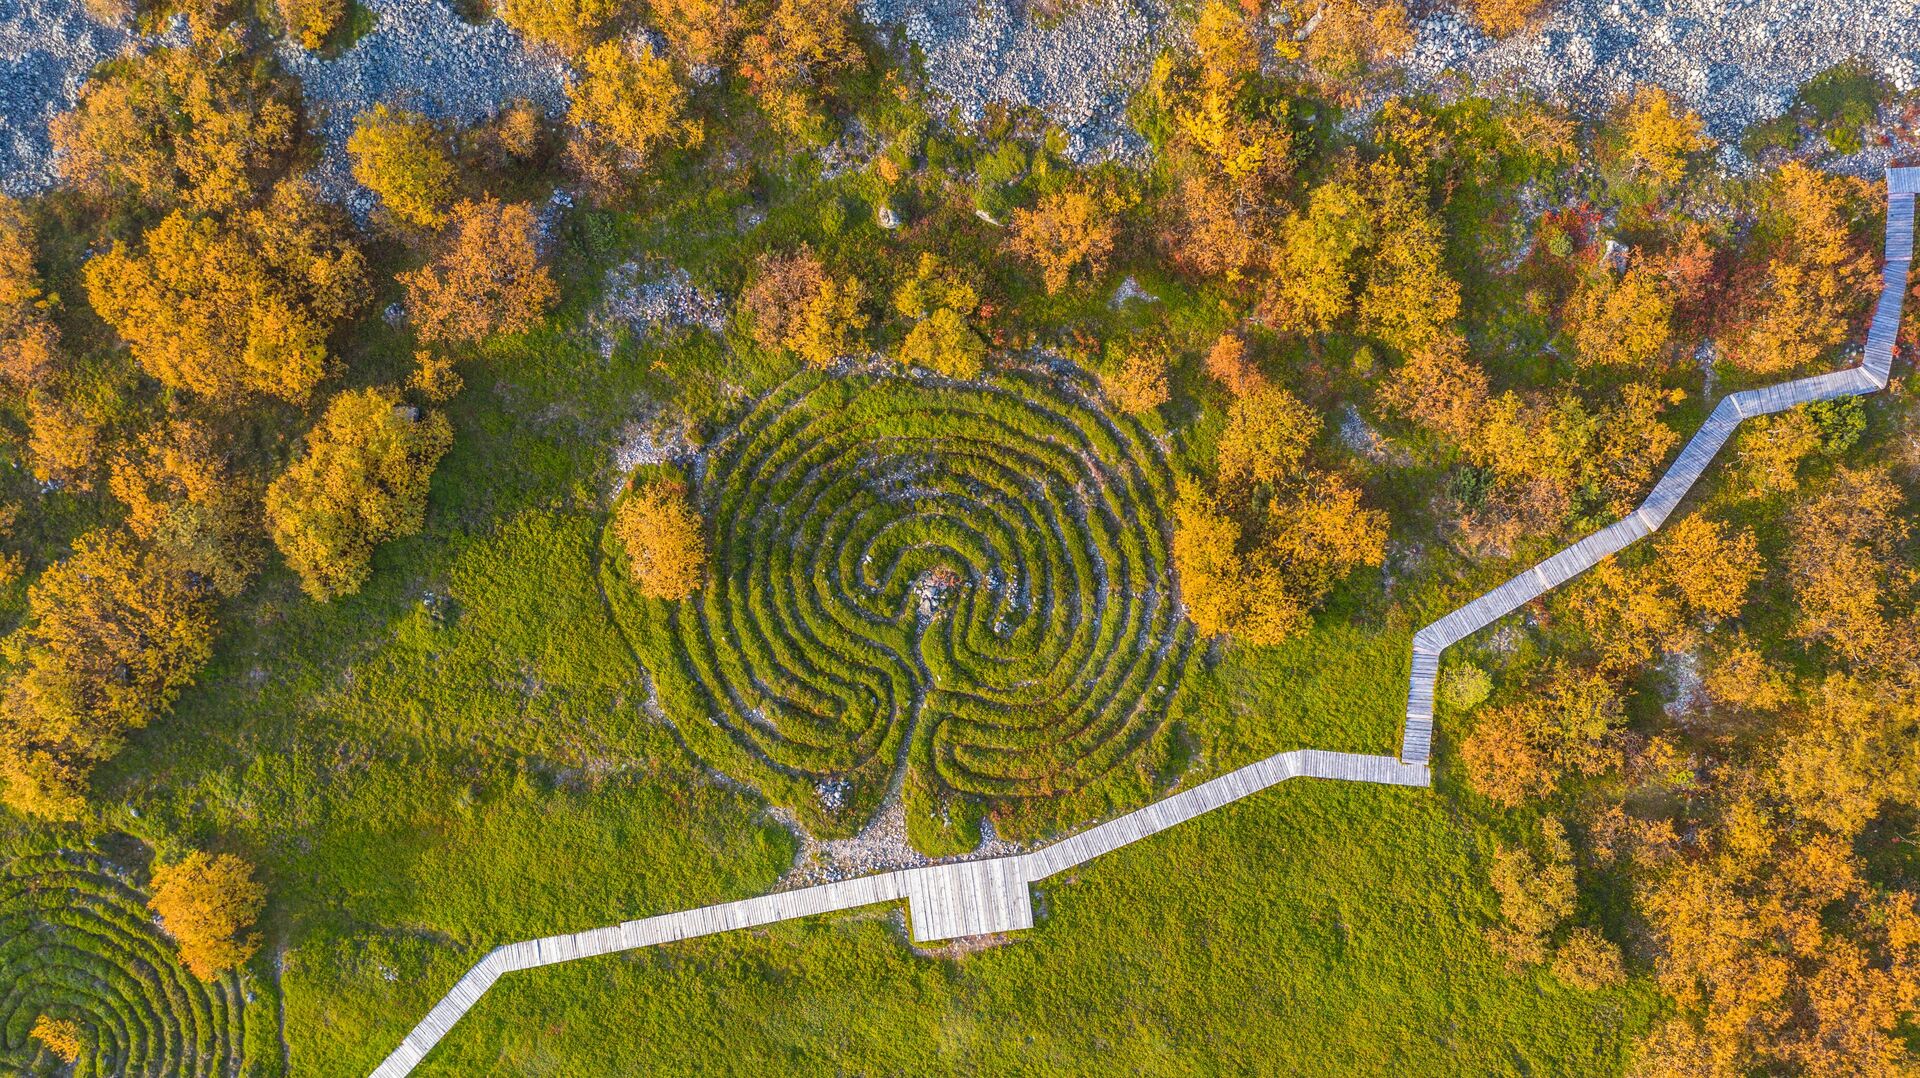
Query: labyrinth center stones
957, 591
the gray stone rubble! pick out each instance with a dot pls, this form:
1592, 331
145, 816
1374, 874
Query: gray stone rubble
1077, 71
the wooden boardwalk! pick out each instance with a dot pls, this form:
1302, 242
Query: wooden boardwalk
1416, 741
968, 898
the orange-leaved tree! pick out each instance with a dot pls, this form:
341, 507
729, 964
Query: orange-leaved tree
487, 276
208, 903
664, 539
229, 308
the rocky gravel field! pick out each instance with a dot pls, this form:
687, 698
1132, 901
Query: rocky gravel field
1734, 61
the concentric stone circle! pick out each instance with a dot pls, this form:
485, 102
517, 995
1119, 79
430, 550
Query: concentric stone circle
77, 943
965, 586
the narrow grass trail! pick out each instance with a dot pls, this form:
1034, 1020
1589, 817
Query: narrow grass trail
963, 897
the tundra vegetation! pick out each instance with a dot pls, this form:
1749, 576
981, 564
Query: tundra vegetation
378, 591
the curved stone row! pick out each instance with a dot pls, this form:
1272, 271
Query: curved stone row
78, 943
970, 580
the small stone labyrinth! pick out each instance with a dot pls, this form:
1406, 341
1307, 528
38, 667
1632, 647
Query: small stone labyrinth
961, 588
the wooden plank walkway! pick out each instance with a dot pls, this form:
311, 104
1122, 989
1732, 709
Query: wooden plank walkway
967, 898
1416, 741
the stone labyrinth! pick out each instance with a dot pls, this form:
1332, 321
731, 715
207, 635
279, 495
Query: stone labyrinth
78, 943
958, 591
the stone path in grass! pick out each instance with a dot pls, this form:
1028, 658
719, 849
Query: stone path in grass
975, 897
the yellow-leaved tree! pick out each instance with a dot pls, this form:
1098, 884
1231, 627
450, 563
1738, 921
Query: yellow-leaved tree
1818, 273
486, 277
234, 307
29, 342
664, 539
568, 25
794, 304
208, 903
1621, 322
1260, 550
183, 496
1066, 232
310, 21
362, 480
200, 124
1659, 139
628, 104
113, 633
402, 157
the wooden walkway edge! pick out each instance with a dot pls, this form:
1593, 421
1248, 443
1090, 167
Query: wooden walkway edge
966, 898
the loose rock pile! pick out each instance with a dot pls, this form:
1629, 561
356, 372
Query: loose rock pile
1078, 72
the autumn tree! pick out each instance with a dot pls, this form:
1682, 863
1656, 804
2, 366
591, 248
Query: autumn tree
1818, 273
402, 157
934, 284
1523, 750
311, 21
113, 633
1849, 754
701, 33
1781, 955
1365, 248
1266, 439
1624, 322
1317, 261
568, 25
1843, 558
61, 1036
486, 277
1137, 382
1228, 364
1657, 139
29, 341
1348, 38
1771, 449
200, 124
1068, 231
1409, 298
183, 497
794, 304
362, 480
791, 52
1588, 961
1709, 565
628, 105
1258, 552
208, 903
944, 343
64, 436
664, 539
229, 308
1502, 18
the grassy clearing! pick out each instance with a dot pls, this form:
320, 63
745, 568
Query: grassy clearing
1317, 929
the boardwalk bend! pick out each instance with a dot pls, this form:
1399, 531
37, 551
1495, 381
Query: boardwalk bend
966, 898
